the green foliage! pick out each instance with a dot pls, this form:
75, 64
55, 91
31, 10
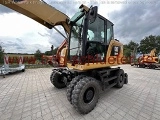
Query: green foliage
146, 45
127, 51
38, 55
55, 51
1, 55
130, 48
52, 52
48, 53
149, 43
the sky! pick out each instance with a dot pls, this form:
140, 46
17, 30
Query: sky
133, 20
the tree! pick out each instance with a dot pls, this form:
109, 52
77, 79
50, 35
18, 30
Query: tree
130, 48
126, 51
52, 52
149, 43
55, 51
52, 47
38, 55
48, 53
1, 54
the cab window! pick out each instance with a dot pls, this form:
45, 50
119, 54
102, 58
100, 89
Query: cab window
96, 30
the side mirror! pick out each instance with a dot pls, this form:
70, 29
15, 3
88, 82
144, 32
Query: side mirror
93, 14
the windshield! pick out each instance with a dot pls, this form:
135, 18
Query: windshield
96, 30
75, 16
76, 36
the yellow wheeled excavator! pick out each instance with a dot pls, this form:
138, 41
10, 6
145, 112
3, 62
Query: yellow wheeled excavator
91, 52
150, 60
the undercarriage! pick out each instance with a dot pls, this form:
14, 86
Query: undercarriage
83, 87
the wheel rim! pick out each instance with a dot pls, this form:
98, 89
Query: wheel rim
89, 95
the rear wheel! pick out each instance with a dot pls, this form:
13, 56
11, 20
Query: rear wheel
153, 66
57, 80
150, 66
142, 65
126, 78
120, 78
86, 94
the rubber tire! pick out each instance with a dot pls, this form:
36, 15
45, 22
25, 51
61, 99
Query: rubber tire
71, 86
140, 66
120, 73
143, 66
126, 78
150, 66
56, 80
153, 67
79, 90
52, 74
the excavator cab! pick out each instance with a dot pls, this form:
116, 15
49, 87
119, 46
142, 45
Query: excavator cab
89, 40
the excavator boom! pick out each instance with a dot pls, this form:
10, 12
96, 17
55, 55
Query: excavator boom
40, 12
153, 52
44, 14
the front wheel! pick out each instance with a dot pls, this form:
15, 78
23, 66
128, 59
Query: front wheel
86, 94
57, 80
71, 86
